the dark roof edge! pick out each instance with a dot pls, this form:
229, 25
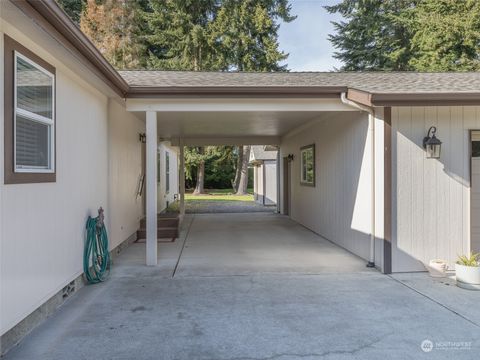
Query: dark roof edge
425, 99
48, 15
413, 99
226, 91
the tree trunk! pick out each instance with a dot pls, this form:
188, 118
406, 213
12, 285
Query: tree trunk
243, 182
238, 170
199, 187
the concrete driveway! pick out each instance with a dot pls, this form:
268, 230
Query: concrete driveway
257, 286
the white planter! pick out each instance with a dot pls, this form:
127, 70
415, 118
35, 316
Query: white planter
437, 268
468, 277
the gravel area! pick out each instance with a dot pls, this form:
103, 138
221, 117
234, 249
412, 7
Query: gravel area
206, 207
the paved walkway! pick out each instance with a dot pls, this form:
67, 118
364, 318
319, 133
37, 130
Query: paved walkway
256, 286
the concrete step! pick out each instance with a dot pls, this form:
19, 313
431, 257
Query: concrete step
162, 222
162, 233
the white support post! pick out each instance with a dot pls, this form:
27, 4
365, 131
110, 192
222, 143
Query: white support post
182, 180
151, 189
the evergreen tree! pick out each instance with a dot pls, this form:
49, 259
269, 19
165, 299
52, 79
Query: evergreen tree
446, 35
114, 27
220, 167
243, 179
177, 34
372, 37
244, 35
73, 8
177, 40
189, 35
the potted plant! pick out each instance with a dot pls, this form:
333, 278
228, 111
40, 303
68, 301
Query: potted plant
467, 271
437, 268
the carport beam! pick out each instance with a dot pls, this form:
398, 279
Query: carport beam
151, 189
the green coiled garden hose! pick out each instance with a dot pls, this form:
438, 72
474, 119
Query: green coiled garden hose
96, 258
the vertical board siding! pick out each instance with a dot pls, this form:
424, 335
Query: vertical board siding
431, 197
338, 207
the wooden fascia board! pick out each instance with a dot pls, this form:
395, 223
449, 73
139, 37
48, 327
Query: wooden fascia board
425, 99
235, 91
360, 96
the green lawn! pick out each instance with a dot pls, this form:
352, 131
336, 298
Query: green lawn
220, 195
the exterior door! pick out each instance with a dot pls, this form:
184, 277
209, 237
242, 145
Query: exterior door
475, 193
286, 186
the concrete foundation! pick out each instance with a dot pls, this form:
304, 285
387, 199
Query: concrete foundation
17, 333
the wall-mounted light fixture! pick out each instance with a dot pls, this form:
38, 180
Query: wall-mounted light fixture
431, 144
290, 157
142, 137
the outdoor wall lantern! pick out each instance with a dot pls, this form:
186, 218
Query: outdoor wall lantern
142, 137
431, 144
290, 157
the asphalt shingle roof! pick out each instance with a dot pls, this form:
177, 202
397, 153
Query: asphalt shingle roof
373, 82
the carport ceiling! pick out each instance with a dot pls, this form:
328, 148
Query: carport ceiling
234, 124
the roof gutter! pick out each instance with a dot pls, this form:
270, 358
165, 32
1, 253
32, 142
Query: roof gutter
371, 129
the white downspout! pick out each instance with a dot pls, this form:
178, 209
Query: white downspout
371, 129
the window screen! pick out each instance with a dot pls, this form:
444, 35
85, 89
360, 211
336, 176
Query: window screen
34, 118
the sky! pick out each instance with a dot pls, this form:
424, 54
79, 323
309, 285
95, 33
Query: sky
306, 38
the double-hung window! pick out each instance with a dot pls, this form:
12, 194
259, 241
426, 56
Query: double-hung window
30, 156
34, 117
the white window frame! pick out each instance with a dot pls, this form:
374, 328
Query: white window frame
34, 117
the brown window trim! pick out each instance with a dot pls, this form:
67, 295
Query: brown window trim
10, 176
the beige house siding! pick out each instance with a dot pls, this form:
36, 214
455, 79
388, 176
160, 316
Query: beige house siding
165, 197
125, 168
431, 198
258, 182
339, 206
43, 224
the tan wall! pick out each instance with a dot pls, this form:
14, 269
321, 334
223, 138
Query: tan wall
42, 225
431, 219
125, 168
258, 182
339, 206
270, 177
163, 196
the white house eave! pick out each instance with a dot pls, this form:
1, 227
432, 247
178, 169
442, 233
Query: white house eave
235, 105
244, 140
